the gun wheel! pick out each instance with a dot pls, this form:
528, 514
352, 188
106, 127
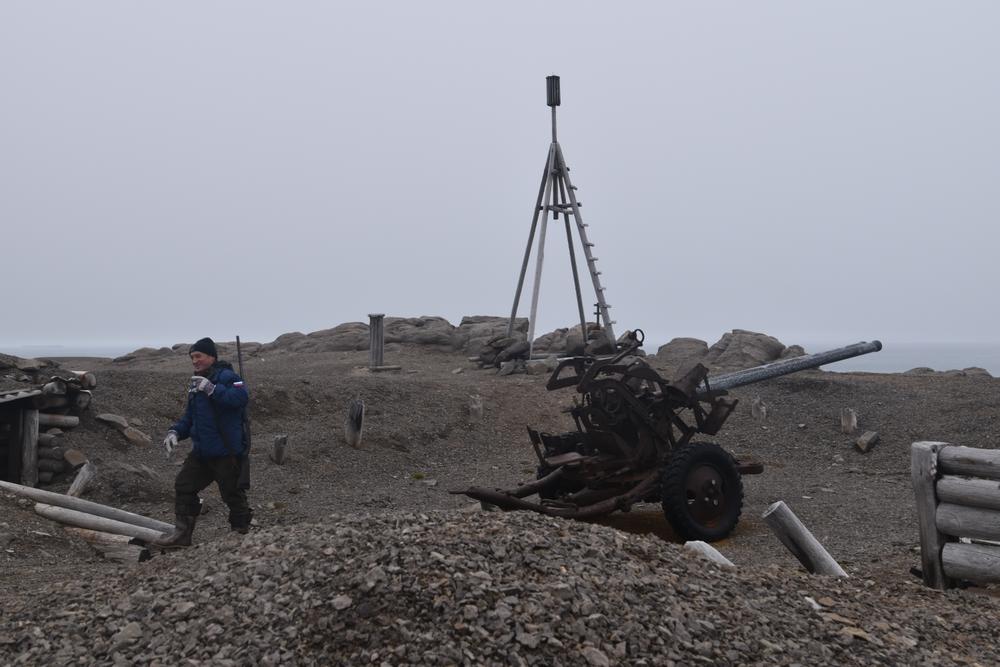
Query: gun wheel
702, 492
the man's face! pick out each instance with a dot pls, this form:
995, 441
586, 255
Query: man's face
201, 361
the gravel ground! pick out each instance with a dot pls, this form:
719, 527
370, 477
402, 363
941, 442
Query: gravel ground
451, 588
420, 442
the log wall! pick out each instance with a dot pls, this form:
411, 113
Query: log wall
958, 502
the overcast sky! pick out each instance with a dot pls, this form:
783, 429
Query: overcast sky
817, 171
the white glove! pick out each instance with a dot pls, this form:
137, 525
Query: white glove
169, 443
199, 383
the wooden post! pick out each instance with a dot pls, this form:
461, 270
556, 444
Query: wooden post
923, 474
848, 420
800, 541
85, 506
83, 477
376, 339
278, 449
355, 422
29, 447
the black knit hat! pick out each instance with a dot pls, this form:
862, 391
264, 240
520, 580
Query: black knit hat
205, 346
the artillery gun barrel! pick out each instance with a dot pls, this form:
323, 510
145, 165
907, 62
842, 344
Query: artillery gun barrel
793, 365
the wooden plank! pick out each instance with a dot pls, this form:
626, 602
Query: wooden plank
959, 521
970, 461
278, 449
975, 562
983, 493
923, 473
87, 506
29, 447
91, 522
797, 538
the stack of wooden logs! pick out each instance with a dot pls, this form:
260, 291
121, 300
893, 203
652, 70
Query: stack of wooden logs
59, 406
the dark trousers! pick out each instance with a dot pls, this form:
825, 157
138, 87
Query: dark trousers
196, 474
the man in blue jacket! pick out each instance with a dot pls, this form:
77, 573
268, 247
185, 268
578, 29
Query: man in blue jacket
214, 422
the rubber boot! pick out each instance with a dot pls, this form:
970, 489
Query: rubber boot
240, 523
181, 537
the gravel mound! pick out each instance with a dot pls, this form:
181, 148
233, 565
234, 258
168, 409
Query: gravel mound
458, 587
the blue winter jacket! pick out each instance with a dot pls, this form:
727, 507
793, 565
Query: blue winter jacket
228, 401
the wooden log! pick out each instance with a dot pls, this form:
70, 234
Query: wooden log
975, 562
969, 492
278, 449
45, 477
91, 522
86, 506
706, 550
923, 473
54, 453
83, 399
794, 535
49, 465
55, 387
29, 447
46, 440
959, 521
87, 379
50, 402
62, 421
83, 477
970, 461
111, 546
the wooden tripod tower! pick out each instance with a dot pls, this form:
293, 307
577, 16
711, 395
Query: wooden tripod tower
558, 195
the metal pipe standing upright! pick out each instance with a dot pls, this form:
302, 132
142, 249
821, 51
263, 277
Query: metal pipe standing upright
376, 339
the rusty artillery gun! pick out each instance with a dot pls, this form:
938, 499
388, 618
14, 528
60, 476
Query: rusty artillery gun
634, 442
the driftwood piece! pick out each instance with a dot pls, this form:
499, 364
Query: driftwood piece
111, 546
29, 447
969, 461
983, 493
706, 550
98, 523
86, 506
62, 421
82, 479
959, 521
87, 379
278, 452
976, 562
797, 538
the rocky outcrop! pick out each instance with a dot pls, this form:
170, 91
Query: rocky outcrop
565, 341
741, 349
419, 331
682, 352
474, 331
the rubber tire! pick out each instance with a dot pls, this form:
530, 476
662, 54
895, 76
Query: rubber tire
691, 458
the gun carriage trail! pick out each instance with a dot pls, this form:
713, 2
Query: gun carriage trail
360, 555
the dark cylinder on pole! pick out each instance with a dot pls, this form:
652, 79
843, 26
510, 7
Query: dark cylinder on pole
552, 90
